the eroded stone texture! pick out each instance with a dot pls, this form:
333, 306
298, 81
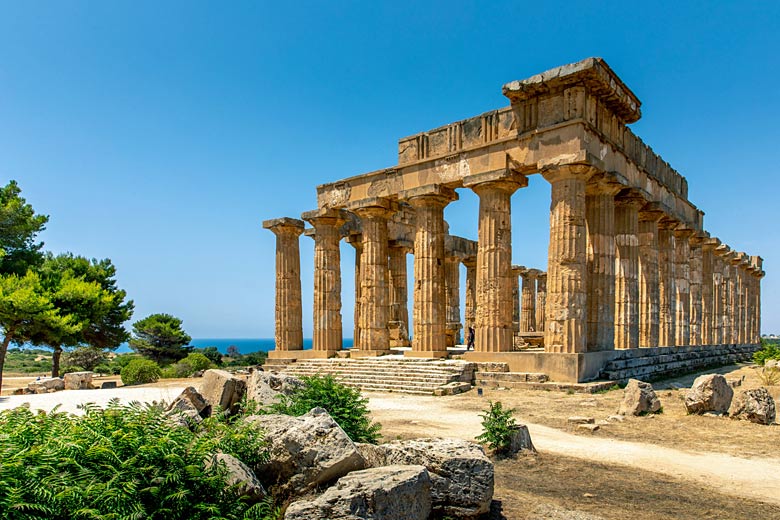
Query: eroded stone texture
648, 278
288, 330
682, 273
541, 300
708, 294
78, 380
399, 312
494, 261
666, 284
626, 270
567, 270
516, 308
528, 315
452, 290
755, 405
222, 390
709, 393
471, 292
639, 398
696, 267
357, 242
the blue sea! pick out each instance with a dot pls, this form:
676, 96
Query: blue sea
245, 345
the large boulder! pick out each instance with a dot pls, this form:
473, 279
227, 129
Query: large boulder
265, 387
78, 380
307, 450
240, 476
222, 390
461, 474
46, 385
755, 406
709, 393
190, 407
386, 493
639, 399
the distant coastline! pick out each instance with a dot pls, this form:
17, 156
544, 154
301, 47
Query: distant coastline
244, 345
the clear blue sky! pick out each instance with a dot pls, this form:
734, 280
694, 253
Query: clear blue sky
161, 134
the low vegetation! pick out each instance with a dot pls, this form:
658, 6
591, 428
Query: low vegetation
124, 461
769, 350
27, 361
498, 426
140, 372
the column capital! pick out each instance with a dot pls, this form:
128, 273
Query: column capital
373, 207
683, 232
651, 212
711, 244
284, 226
406, 245
429, 195
517, 270
630, 198
542, 275
699, 238
668, 223
325, 216
568, 171
505, 180
470, 262
605, 183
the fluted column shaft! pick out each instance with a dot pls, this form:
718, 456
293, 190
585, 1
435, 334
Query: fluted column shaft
399, 310
327, 331
648, 279
707, 295
430, 302
627, 271
696, 312
718, 298
541, 299
528, 314
516, 298
666, 283
600, 280
374, 287
682, 272
493, 331
357, 242
471, 292
452, 289
567, 269
726, 295
288, 330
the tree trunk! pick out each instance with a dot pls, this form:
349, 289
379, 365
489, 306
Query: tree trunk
3, 350
55, 362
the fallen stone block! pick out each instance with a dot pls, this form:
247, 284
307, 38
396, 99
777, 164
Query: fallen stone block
107, 385
385, 493
580, 420
756, 406
639, 398
307, 450
240, 477
222, 390
189, 408
78, 381
709, 393
454, 388
461, 474
588, 427
265, 387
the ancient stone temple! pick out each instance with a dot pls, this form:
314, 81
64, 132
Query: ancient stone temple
632, 279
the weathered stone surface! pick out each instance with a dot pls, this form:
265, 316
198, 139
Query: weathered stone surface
305, 450
578, 419
588, 427
772, 363
520, 440
107, 385
461, 474
49, 384
189, 407
755, 406
222, 390
386, 493
78, 381
454, 388
265, 387
709, 393
639, 398
241, 476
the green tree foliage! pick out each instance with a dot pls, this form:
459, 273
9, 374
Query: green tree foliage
213, 354
86, 290
140, 372
769, 350
160, 338
344, 404
19, 226
86, 357
122, 462
498, 425
26, 309
194, 362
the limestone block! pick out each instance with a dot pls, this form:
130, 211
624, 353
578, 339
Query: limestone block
305, 450
709, 393
49, 384
107, 385
265, 387
580, 420
461, 474
241, 476
386, 493
520, 440
222, 390
639, 398
755, 406
190, 407
454, 388
78, 381
588, 427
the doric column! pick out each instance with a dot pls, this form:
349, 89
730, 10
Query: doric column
528, 305
430, 303
471, 292
356, 240
733, 304
398, 324
567, 269
288, 329
648, 277
541, 299
758, 273
708, 293
725, 254
600, 280
682, 272
739, 302
626, 326
493, 331
374, 287
327, 333
696, 268
452, 289
516, 298
666, 279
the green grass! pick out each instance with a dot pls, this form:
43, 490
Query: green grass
22, 361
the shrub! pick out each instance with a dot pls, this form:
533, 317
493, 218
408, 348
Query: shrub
769, 350
124, 461
769, 376
103, 369
197, 362
498, 425
212, 354
140, 371
344, 404
169, 372
67, 369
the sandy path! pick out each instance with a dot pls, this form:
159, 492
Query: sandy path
68, 400
751, 478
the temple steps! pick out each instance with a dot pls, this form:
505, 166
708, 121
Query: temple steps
396, 375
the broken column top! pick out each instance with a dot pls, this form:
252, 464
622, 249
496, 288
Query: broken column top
283, 222
592, 73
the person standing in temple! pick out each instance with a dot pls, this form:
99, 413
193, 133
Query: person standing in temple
470, 339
